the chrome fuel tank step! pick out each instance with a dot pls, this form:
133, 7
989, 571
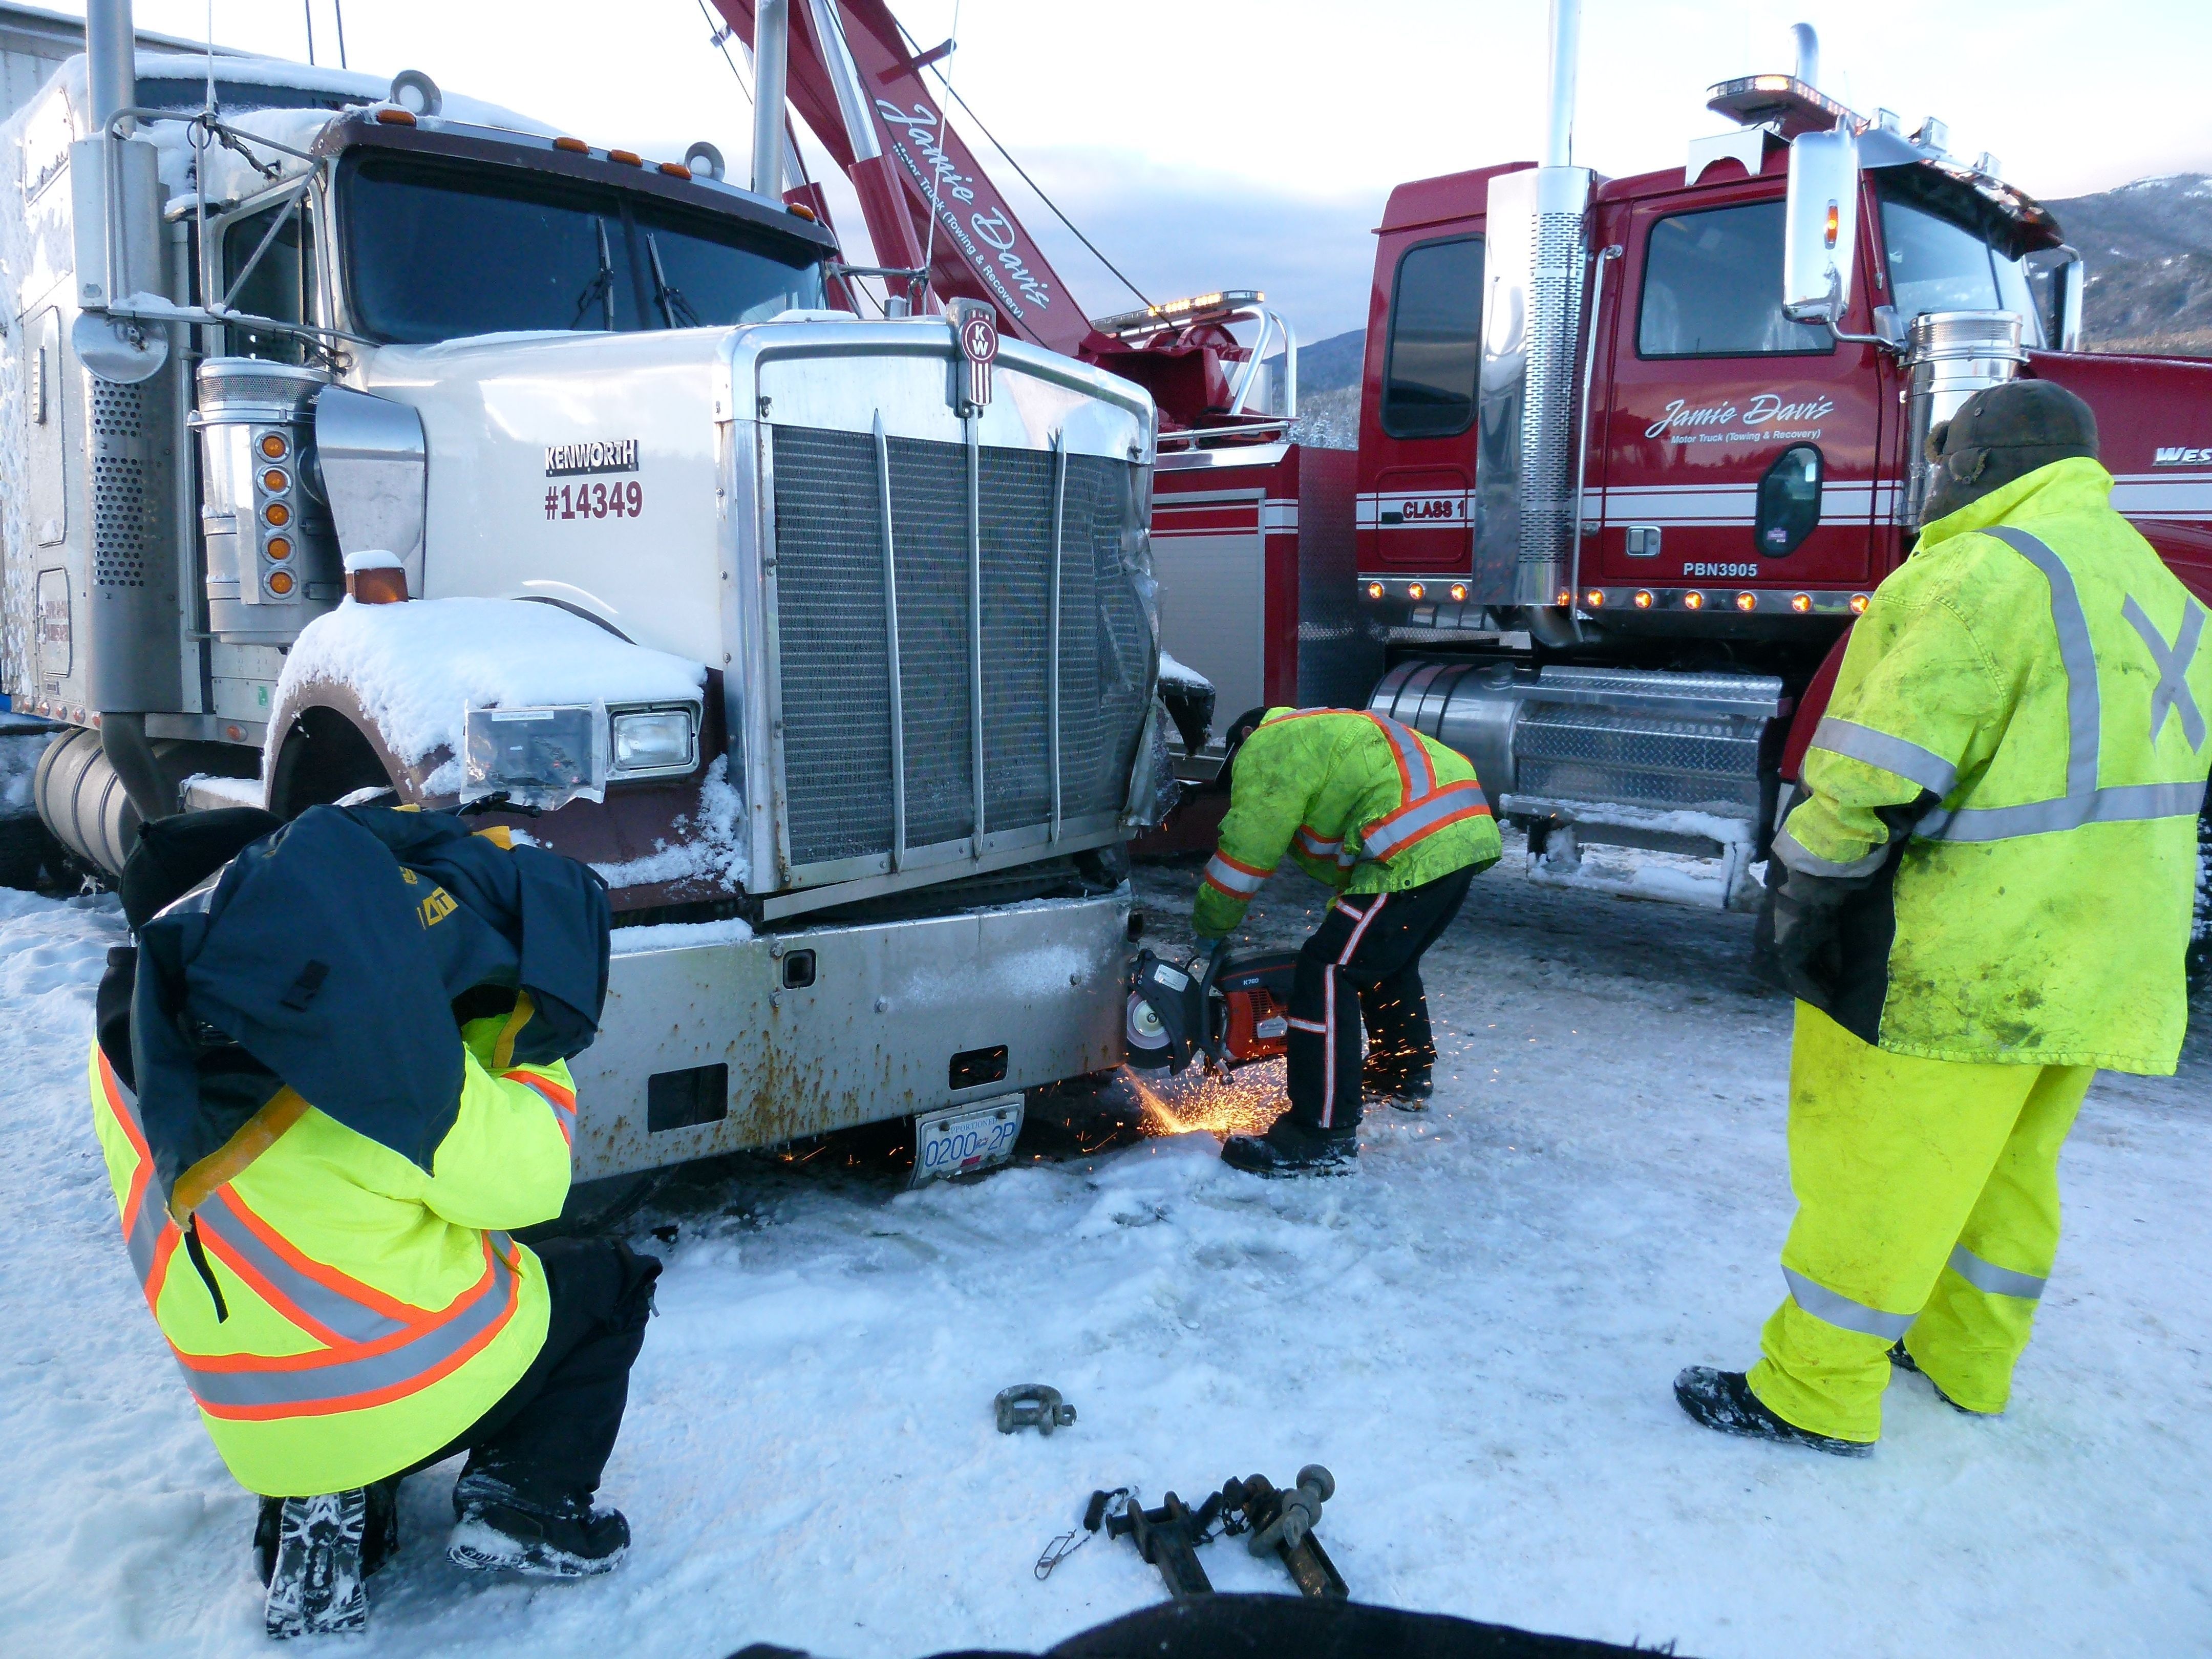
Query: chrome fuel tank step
1628, 757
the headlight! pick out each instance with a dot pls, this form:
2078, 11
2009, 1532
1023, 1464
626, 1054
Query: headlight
543, 757
653, 740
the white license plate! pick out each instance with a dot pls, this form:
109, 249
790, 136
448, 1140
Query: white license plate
960, 1140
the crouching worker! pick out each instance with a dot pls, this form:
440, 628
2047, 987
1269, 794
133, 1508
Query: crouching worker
1398, 825
327, 1080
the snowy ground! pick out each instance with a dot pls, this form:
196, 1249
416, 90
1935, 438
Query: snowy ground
1475, 1331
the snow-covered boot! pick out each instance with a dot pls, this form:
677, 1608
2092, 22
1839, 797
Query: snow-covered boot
1904, 1361
314, 1586
1724, 1401
498, 1528
1391, 1083
1290, 1148
379, 1535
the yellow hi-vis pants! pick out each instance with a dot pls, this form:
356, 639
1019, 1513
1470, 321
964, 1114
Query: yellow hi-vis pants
1927, 1209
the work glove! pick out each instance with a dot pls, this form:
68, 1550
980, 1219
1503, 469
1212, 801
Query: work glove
1807, 941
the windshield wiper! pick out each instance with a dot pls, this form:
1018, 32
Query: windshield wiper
601, 287
674, 306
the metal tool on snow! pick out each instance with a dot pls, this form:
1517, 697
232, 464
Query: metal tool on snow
1031, 1406
1278, 1520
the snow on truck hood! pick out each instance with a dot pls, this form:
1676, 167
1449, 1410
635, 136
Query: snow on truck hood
418, 667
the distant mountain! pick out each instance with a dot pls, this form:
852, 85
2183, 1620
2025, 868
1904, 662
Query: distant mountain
1326, 365
2147, 250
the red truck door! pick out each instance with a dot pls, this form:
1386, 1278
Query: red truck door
1738, 449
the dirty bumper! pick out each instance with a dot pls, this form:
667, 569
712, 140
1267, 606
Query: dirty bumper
718, 1047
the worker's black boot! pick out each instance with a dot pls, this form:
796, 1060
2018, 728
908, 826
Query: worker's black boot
1724, 1401
379, 1533
1291, 1148
1405, 1086
497, 1528
1900, 1358
315, 1583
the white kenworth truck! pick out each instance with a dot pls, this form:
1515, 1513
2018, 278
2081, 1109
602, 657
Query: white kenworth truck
356, 438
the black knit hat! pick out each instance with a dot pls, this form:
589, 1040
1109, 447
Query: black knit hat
175, 854
2002, 435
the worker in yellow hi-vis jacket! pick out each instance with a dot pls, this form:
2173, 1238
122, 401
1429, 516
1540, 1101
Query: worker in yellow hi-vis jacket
1398, 825
1989, 877
327, 1082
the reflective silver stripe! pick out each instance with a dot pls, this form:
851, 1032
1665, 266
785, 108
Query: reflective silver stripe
333, 1309
1908, 760
1410, 824
2127, 802
1998, 1281
1420, 776
1802, 858
2173, 691
1223, 874
331, 1379
141, 1228
1315, 846
1842, 1312
2084, 713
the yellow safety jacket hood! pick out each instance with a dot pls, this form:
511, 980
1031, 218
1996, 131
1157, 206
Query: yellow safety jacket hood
2012, 764
1362, 803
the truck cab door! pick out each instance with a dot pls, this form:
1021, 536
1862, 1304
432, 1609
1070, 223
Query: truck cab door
1738, 448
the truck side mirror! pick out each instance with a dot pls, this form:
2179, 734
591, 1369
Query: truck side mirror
1821, 232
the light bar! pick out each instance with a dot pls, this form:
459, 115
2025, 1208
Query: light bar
1173, 313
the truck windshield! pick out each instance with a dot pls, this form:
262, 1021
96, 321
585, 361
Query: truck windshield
439, 252
1936, 264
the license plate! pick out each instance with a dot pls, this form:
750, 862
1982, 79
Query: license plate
959, 1140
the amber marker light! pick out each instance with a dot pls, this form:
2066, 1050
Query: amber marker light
280, 548
629, 158
1801, 603
1693, 600
677, 170
280, 581
274, 446
278, 513
1459, 592
275, 481
1858, 605
1643, 599
1415, 591
396, 118
1595, 597
1375, 590
1565, 598
573, 146
1746, 601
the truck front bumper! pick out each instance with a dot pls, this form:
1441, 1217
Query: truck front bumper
720, 1046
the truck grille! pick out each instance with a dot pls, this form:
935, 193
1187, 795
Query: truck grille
840, 742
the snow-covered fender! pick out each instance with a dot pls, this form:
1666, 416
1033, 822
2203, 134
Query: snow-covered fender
402, 677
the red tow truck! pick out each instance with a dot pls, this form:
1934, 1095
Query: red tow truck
1632, 454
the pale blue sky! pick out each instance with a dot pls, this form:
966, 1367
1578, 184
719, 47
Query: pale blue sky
1218, 142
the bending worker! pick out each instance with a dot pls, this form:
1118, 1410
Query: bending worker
1398, 825
330, 1077
1988, 897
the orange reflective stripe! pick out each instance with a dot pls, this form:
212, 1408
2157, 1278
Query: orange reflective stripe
148, 1232
563, 1101
1417, 776
1417, 820
355, 1376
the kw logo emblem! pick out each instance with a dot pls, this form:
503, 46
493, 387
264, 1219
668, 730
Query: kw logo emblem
436, 908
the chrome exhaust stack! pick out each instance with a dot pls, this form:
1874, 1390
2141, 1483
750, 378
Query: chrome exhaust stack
771, 64
1527, 511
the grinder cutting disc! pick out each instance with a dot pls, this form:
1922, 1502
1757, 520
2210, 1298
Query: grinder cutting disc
1147, 1036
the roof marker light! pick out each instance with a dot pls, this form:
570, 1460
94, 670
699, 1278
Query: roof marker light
396, 118
573, 146
676, 169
